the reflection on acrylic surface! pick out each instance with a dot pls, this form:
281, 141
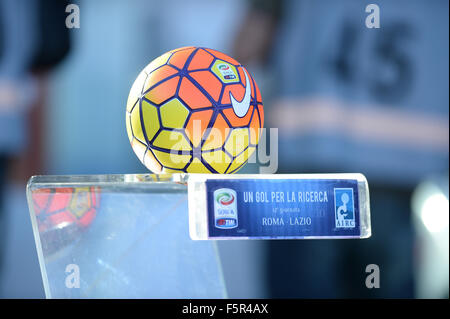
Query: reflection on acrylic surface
63, 213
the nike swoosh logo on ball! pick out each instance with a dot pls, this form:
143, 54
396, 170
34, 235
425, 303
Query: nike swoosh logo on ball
241, 108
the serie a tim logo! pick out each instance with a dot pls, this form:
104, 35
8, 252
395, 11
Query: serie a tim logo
225, 208
344, 208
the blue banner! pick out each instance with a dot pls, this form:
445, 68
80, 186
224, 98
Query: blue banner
283, 208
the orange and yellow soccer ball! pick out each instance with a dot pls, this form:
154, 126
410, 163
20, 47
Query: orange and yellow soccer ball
194, 110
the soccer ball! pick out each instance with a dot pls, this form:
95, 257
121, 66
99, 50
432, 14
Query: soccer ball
194, 110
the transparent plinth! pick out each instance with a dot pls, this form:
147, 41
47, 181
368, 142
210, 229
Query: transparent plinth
119, 236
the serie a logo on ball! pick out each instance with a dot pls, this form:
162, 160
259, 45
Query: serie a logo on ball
194, 110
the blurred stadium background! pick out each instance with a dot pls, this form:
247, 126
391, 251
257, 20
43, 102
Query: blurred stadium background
345, 98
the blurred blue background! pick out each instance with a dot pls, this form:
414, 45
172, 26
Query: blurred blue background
345, 98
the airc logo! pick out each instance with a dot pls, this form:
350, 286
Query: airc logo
344, 208
225, 208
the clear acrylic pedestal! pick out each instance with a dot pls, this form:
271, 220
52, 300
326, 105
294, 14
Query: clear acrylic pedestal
119, 236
